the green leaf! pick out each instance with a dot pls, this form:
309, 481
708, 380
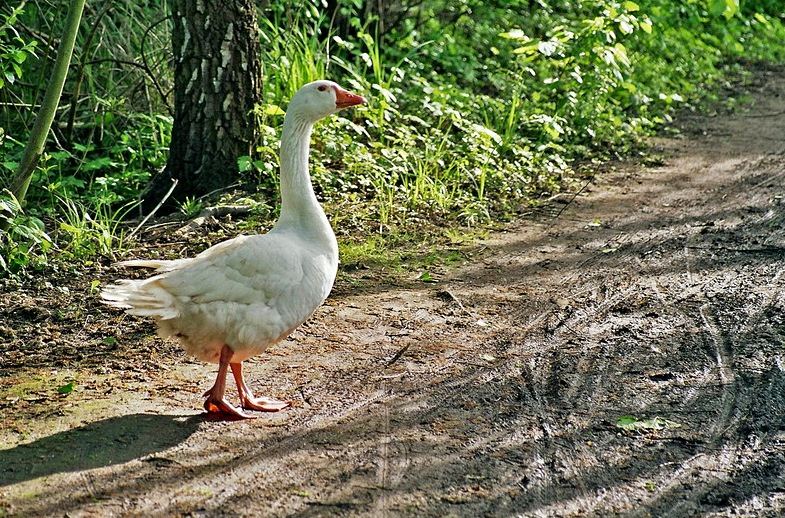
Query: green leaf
19, 56
716, 7
69, 228
625, 421
67, 388
626, 27
726, 8
731, 9
514, 34
492, 135
272, 109
631, 6
621, 54
630, 423
244, 164
762, 19
97, 163
527, 49
426, 277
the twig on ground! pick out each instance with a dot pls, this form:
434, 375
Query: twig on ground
450, 297
397, 356
224, 210
588, 182
763, 115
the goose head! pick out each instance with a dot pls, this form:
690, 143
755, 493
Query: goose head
319, 99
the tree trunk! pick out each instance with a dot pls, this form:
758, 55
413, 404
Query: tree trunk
217, 81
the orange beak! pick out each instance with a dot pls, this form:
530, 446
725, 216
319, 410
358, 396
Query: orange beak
345, 99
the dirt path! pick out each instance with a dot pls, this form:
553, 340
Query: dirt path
654, 301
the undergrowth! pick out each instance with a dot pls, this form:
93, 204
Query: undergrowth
476, 108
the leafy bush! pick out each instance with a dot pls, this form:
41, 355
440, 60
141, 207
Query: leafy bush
25, 243
14, 51
477, 107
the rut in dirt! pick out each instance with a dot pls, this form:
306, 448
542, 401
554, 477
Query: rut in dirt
624, 358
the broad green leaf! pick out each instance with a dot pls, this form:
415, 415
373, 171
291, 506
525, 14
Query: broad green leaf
716, 7
527, 49
97, 163
426, 277
482, 130
762, 19
67, 388
272, 109
628, 422
726, 8
621, 54
19, 56
731, 9
514, 34
631, 6
244, 163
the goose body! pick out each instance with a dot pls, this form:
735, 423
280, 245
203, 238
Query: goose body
249, 292
235, 299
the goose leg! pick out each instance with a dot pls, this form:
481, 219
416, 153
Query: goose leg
215, 402
247, 400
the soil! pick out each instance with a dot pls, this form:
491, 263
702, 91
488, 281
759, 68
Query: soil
618, 352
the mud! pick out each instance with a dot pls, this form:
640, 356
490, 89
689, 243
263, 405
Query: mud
617, 352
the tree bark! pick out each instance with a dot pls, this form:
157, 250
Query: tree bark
217, 81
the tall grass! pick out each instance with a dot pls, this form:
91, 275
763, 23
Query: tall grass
85, 232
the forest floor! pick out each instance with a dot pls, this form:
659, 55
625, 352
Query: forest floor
622, 354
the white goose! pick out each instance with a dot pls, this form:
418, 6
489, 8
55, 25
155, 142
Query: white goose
237, 298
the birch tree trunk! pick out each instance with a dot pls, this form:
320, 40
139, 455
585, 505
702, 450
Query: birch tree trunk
217, 81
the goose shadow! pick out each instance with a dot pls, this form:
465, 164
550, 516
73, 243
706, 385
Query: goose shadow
107, 442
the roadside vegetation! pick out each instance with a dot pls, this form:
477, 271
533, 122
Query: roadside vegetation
477, 110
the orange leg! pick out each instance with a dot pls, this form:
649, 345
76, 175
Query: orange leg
215, 402
247, 400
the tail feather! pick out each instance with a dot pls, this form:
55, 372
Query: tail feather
142, 298
158, 265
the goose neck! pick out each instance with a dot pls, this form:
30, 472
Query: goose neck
297, 197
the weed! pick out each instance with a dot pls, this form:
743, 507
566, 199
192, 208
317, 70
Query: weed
85, 233
191, 207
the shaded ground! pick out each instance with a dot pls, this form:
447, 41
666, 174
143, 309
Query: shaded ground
653, 300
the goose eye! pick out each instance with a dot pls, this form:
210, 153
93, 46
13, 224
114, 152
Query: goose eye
322, 88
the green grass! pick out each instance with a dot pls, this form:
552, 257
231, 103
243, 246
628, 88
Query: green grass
402, 253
